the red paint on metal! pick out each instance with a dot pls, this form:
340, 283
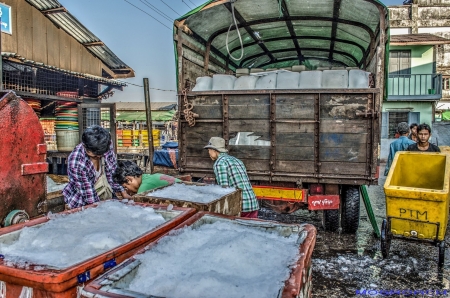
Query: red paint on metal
21, 134
34, 168
42, 148
323, 202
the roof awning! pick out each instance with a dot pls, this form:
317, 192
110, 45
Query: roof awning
417, 39
282, 33
140, 116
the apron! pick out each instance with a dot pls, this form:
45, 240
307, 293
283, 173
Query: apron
102, 187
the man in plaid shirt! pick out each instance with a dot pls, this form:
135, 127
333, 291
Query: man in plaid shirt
92, 161
230, 171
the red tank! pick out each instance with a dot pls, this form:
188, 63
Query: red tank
22, 157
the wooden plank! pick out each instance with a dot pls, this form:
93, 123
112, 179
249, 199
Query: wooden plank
250, 152
294, 127
298, 167
343, 126
95, 65
199, 163
53, 54
356, 153
295, 153
249, 125
9, 41
208, 107
75, 55
64, 50
342, 139
202, 132
256, 165
39, 40
254, 106
342, 106
343, 168
295, 139
23, 30
196, 150
295, 106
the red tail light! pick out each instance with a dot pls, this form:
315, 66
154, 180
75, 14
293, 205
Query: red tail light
316, 189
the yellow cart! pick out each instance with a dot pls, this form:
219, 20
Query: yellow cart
417, 200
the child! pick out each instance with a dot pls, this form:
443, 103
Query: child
131, 177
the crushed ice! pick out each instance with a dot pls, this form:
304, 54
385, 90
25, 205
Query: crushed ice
192, 193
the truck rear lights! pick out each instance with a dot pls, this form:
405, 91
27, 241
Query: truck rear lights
316, 189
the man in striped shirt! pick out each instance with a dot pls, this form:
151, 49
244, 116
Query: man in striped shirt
230, 171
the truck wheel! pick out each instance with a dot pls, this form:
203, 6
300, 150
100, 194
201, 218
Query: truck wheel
350, 208
331, 220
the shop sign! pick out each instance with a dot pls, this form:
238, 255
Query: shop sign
5, 15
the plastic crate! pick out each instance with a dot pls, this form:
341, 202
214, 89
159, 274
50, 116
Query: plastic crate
63, 283
230, 204
115, 282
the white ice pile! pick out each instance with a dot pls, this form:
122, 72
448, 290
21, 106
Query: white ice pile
73, 238
221, 259
192, 193
53, 186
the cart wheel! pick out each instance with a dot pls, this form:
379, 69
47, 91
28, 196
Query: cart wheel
441, 253
385, 238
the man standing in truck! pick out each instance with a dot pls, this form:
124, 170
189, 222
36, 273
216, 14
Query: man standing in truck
230, 171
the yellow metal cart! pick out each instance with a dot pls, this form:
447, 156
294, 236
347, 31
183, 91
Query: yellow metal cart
417, 200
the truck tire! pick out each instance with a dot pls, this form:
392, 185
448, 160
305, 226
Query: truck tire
331, 220
350, 208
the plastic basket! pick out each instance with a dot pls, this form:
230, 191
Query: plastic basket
66, 139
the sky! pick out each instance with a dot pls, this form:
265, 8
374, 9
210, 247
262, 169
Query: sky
139, 32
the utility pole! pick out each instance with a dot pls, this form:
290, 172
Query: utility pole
148, 113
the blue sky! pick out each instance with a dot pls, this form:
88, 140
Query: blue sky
143, 43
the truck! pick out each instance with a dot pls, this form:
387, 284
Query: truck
309, 147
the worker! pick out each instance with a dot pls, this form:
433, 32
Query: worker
423, 144
231, 172
400, 144
90, 168
131, 177
413, 134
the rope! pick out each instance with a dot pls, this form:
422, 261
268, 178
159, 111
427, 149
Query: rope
79, 289
2, 289
188, 114
239, 34
26, 292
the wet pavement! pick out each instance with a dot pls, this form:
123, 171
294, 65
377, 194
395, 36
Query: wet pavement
344, 264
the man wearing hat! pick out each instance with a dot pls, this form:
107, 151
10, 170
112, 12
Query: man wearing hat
230, 171
401, 144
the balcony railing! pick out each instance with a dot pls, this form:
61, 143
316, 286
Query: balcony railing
414, 87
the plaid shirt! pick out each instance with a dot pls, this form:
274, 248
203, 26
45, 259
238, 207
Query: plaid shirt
230, 171
80, 190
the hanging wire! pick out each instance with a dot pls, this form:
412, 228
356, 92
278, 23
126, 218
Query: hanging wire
186, 4
239, 34
170, 7
148, 14
168, 90
192, 3
157, 10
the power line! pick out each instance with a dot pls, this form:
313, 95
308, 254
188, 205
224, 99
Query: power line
128, 83
186, 4
192, 3
170, 7
148, 15
157, 10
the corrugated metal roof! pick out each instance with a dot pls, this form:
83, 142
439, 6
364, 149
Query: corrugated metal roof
16, 58
417, 39
140, 106
59, 15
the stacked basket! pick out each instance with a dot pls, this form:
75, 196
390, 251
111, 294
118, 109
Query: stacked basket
48, 125
35, 104
66, 125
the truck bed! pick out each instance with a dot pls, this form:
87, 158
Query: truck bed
302, 135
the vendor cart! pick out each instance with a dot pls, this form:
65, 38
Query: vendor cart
417, 200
